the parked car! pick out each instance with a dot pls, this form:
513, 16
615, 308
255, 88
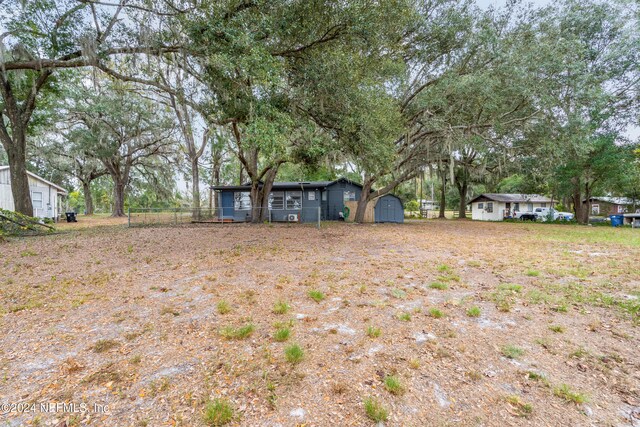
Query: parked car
544, 214
525, 216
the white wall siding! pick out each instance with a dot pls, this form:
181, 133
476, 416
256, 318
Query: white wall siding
48, 207
482, 214
499, 209
6, 198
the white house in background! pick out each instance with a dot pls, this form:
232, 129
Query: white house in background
498, 206
45, 196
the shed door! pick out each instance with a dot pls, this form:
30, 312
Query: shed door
386, 210
226, 204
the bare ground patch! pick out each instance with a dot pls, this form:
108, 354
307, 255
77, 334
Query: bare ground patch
476, 324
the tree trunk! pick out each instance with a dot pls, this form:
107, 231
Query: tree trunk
586, 206
363, 201
260, 196
256, 200
118, 197
215, 176
195, 186
462, 210
17, 156
88, 198
577, 201
443, 194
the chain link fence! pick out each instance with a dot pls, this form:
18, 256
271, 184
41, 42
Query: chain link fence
222, 216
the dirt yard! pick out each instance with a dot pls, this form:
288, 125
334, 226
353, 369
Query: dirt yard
432, 323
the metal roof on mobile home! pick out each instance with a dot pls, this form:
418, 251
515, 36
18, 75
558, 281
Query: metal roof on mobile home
511, 198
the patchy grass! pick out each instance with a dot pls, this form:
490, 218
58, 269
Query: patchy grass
439, 285
294, 354
474, 311
521, 408
223, 307
564, 391
282, 334
238, 333
102, 346
316, 295
398, 293
512, 352
375, 410
281, 307
513, 287
585, 295
405, 317
373, 332
393, 384
436, 313
218, 412
169, 310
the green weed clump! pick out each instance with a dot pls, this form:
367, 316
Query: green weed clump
393, 385
565, 392
436, 313
512, 352
218, 413
375, 411
282, 334
373, 332
474, 311
281, 307
294, 354
223, 307
317, 296
405, 317
239, 333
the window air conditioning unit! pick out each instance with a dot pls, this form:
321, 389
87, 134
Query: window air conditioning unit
292, 217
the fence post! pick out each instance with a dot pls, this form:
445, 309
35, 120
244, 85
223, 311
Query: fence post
129, 216
319, 211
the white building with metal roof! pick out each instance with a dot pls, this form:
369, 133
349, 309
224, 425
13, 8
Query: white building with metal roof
498, 206
46, 196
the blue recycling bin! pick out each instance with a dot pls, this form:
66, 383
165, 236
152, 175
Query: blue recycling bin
616, 220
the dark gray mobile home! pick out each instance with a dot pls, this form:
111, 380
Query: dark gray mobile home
294, 201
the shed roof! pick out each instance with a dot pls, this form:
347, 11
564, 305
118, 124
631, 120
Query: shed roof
512, 198
33, 175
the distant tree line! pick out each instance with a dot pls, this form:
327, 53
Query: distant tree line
122, 97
